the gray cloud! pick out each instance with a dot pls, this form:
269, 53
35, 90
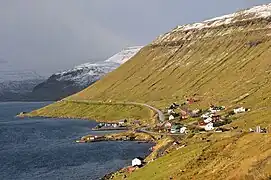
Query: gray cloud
2, 61
50, 35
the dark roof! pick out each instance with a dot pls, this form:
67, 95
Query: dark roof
140, 158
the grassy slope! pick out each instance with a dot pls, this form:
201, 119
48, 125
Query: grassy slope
233, 157
221, 69
97, 111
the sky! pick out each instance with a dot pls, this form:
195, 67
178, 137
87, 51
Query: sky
48, 36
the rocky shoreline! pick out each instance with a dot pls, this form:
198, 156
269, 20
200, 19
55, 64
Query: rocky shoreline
163, 145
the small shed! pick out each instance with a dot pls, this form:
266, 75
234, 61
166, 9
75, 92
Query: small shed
175, 128
123, 121
171, 117
183, 130
240, 110
138, 161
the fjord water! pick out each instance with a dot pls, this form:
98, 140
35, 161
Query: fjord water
42, 148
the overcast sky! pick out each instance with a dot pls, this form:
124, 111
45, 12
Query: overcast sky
52, 35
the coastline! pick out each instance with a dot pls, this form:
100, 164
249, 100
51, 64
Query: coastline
128, 135
160, 148
161, 142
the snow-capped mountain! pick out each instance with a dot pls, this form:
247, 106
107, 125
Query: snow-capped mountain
256, 12
20, 75
71, 81
85, 74
18, 90
184, 32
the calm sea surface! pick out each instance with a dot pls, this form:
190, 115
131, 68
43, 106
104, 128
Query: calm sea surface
42, 148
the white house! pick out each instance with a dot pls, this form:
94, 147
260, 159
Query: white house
122, 122
206, 115
170, 111
209, 127
212, 110
171, 117
183, 130
136, 162
240, 110
167, 125
208, 120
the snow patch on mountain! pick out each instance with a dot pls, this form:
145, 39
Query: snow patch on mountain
85, 74
20, 75
19, 86
88, 73
256, 12
68, 82
124, 55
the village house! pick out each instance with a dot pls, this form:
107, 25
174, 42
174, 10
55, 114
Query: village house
259, 130
206, 115
122, 122
191, 100
240, 110
206, 126
202, 124
219, 130
137, 162
171, 117
214, 109
167, 125
184, 114
92, 138
183, 130
196, 113
175, 128
209, 127
174, 106
208, 120
216, 118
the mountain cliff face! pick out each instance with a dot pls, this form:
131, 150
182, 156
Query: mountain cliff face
68, 82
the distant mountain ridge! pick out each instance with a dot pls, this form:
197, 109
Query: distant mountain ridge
18, 90
29, 86
65, 83
20, 75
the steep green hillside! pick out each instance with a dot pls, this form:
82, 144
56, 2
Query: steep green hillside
238, 156
224, 61
220, 64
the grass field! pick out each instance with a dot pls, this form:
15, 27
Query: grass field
96, 111
223, 156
